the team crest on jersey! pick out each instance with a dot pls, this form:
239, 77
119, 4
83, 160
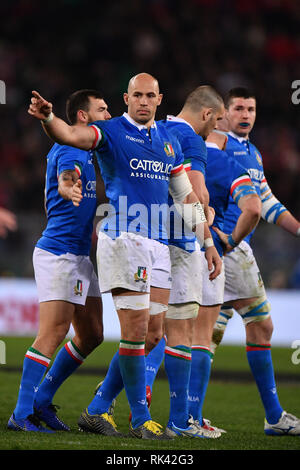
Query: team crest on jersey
78, 288
258, 158
169, 149
141, 274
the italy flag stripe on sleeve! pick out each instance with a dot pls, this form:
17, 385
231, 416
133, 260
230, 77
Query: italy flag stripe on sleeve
78, 168
176, 169
240, 180
187, 165
98, 136
130, 348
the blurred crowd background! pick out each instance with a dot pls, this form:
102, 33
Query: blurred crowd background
58, 47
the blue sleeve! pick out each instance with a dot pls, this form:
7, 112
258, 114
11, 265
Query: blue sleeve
70, 158
179, 157
193, 148
237, 169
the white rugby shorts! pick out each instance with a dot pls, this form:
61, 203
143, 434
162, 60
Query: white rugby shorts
242, 276
66, 277
186, 275
132, 262
212, 291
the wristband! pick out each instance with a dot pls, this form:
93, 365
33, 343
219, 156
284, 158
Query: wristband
48, 119
231, 241
298, 232
208, 242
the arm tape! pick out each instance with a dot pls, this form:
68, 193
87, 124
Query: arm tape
192, 214
272, 209
180, 187
243, 190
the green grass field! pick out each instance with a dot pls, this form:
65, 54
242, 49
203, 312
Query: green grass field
232, 403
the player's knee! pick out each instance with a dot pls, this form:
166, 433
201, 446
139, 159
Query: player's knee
133, 316
94, 340
225, 315
259, 311
152, 339
220, 326
182, 311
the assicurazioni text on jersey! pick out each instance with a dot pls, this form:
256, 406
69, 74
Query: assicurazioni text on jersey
136, 164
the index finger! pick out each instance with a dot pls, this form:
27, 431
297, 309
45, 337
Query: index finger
37, 95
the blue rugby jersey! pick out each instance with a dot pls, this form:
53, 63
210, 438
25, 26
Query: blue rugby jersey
195, 158
245, 153
136, 165
223, 176
69, 228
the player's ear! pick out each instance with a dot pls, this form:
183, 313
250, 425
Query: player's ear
207, 114
125, 97
160, 97
82, 116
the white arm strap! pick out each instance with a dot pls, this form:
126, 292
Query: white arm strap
180, 187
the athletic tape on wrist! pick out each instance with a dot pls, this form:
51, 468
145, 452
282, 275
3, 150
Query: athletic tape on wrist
231, 241
208, 242
48, 119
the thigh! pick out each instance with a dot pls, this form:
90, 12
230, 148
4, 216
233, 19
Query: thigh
212, 291
87, 320
204, 324
66, 277
159, 295
186, 273
55, 320
161, 269
242, 275
124, 263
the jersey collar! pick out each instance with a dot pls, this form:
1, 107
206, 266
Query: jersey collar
237, 137
177, 119
136, 124
211, 145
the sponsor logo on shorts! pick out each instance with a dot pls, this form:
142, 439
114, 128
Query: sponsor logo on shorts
141, 274
78, 288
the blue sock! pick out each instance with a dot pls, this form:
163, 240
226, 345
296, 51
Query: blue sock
260, 361
34, 367
110, 388
153, 361
133, 371
68, 359
200, 373
178, 368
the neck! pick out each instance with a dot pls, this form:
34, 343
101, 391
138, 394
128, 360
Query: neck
147, 124
188, 117
241, 135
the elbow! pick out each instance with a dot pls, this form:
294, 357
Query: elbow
255, 213
253, 210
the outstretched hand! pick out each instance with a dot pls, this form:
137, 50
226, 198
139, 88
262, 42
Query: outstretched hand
39, 107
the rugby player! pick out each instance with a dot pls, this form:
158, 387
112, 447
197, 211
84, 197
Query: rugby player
139, 161
244, 288
67, 285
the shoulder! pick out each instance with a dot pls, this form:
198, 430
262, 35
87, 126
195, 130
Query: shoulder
109, 125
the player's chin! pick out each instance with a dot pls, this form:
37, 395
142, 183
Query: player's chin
143, 117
